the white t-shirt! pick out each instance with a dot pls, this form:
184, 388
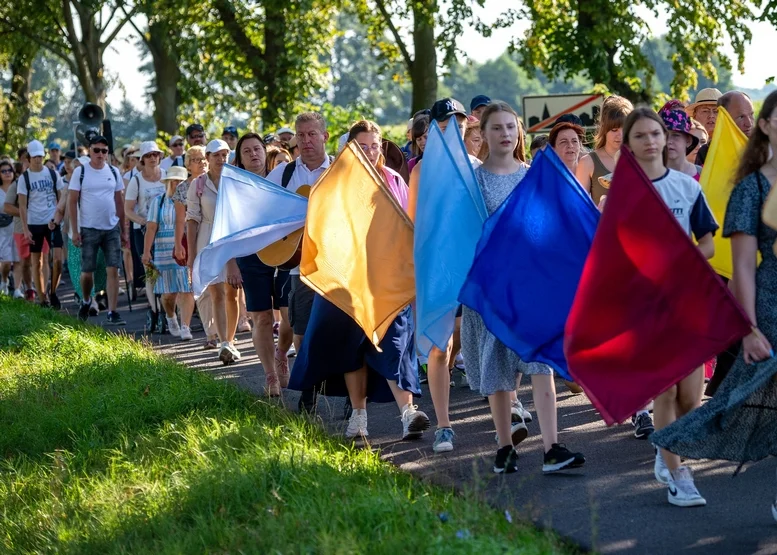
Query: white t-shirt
97, 202
41, 198
143, 192
130, 174
302, 176
685, 199
169, 162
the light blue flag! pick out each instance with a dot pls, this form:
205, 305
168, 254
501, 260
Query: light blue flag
449, 219
251, 213
529, 262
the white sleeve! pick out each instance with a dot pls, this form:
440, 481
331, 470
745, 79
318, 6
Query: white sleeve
119, 182
75, 179
132, 189
21, 187
276, 176
60, 183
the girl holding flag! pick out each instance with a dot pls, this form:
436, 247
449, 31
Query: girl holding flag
645, 135
491, 366
739, 422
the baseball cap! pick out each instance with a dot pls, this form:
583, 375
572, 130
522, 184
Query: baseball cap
173, 139
478, 101
271, 138
283, 130
70, 154
194, 127
215, 145
147, 147
569, 118
54, 146
230, 130
98, 140
447, 107
35, 148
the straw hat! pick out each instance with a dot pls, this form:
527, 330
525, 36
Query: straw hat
176, 173
704, 96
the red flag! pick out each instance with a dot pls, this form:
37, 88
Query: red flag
649, 309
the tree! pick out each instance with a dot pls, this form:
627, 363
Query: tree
602, 40
76, 31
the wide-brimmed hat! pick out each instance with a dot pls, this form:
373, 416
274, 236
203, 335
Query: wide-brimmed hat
704, 96
149, 147
176, 173
680, 122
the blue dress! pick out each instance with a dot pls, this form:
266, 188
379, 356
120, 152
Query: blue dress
334, 345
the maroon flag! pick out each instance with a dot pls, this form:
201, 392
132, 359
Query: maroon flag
649, 309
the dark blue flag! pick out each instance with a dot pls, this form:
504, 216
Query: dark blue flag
529, 261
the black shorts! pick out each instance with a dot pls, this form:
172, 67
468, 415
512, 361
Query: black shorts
281, 290
42, 233
93, 240
258, 283
300, 305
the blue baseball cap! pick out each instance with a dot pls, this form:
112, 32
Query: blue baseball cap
478, 101
54, 146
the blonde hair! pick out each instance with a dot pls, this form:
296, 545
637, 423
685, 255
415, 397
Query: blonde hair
614, 111
498, 106
188, 155
308, 117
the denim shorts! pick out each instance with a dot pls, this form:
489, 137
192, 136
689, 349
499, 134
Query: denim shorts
109, 240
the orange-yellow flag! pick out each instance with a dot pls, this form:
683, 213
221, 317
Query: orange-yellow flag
717, 181
357, 250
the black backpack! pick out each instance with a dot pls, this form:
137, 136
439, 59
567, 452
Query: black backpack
288, 171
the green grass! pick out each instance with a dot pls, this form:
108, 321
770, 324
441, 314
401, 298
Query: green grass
108, 447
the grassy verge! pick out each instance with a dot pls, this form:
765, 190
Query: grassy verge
107, 447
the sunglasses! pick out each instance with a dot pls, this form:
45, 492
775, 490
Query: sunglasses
177, 144
198, 136
100, 150
6, 171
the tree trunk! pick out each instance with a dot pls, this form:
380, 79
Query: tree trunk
276, 66
17, 114
87, 52
166, 96
423, 73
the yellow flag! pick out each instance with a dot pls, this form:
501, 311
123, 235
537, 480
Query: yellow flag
717, 182
357, 250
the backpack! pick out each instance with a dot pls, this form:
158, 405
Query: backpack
288, 172
81, 177
54, 176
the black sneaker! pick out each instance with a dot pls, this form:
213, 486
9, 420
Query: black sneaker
559, 458
506, 461
307, 401
643, 426
114, 319
54, 300
83, 312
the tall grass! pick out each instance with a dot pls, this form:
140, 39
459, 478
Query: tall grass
110, 448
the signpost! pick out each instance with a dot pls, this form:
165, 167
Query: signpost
541, 112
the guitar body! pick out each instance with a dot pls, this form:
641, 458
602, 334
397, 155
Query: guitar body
286, 253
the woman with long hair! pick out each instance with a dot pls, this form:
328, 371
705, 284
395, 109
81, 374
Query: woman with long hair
276, 156
336, 350
419, 133
491, 366
218, 306
8, 254
266, 288
645, 134
609, 138
739, 422
473, 142
566, 139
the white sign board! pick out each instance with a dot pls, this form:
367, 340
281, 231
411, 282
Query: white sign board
541, 112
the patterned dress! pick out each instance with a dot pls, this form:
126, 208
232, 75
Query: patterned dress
173, 278
740, 422
491, 366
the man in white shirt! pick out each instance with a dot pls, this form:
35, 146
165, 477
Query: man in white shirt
41, 209
96, 188
176, 157
305, 170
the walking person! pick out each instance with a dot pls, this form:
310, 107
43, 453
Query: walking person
96, 188
176, 153
645, 135
221, 308
159, 243
41, 210
491, 366
8, 254
738, 423
22, 273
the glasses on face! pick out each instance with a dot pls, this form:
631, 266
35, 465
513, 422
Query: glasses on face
371, 148
100, 150
196, 160
177, 144
6, 170
705, 112
153, 155
197, 136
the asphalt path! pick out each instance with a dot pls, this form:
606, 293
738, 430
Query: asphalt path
611, 505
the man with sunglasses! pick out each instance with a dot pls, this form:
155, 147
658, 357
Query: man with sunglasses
229, 136
96, 209
176, 158
195, 135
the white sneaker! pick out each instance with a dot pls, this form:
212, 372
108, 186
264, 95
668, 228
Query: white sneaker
18, 294
173, 327
225, 353
292, 352
414, 422
186, 333
518, 431
660, 469
357, 424
458, 362
682, 491
519, 413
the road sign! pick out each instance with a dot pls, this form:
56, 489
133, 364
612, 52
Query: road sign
541, 112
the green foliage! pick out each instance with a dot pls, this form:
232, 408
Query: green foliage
111, 448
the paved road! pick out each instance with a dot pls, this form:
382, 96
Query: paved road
612, 504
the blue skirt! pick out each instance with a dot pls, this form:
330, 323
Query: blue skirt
335, 345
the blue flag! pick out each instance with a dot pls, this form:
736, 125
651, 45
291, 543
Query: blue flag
251, 213
449, 220
529, 262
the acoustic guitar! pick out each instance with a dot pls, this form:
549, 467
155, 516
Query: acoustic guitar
286, 253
